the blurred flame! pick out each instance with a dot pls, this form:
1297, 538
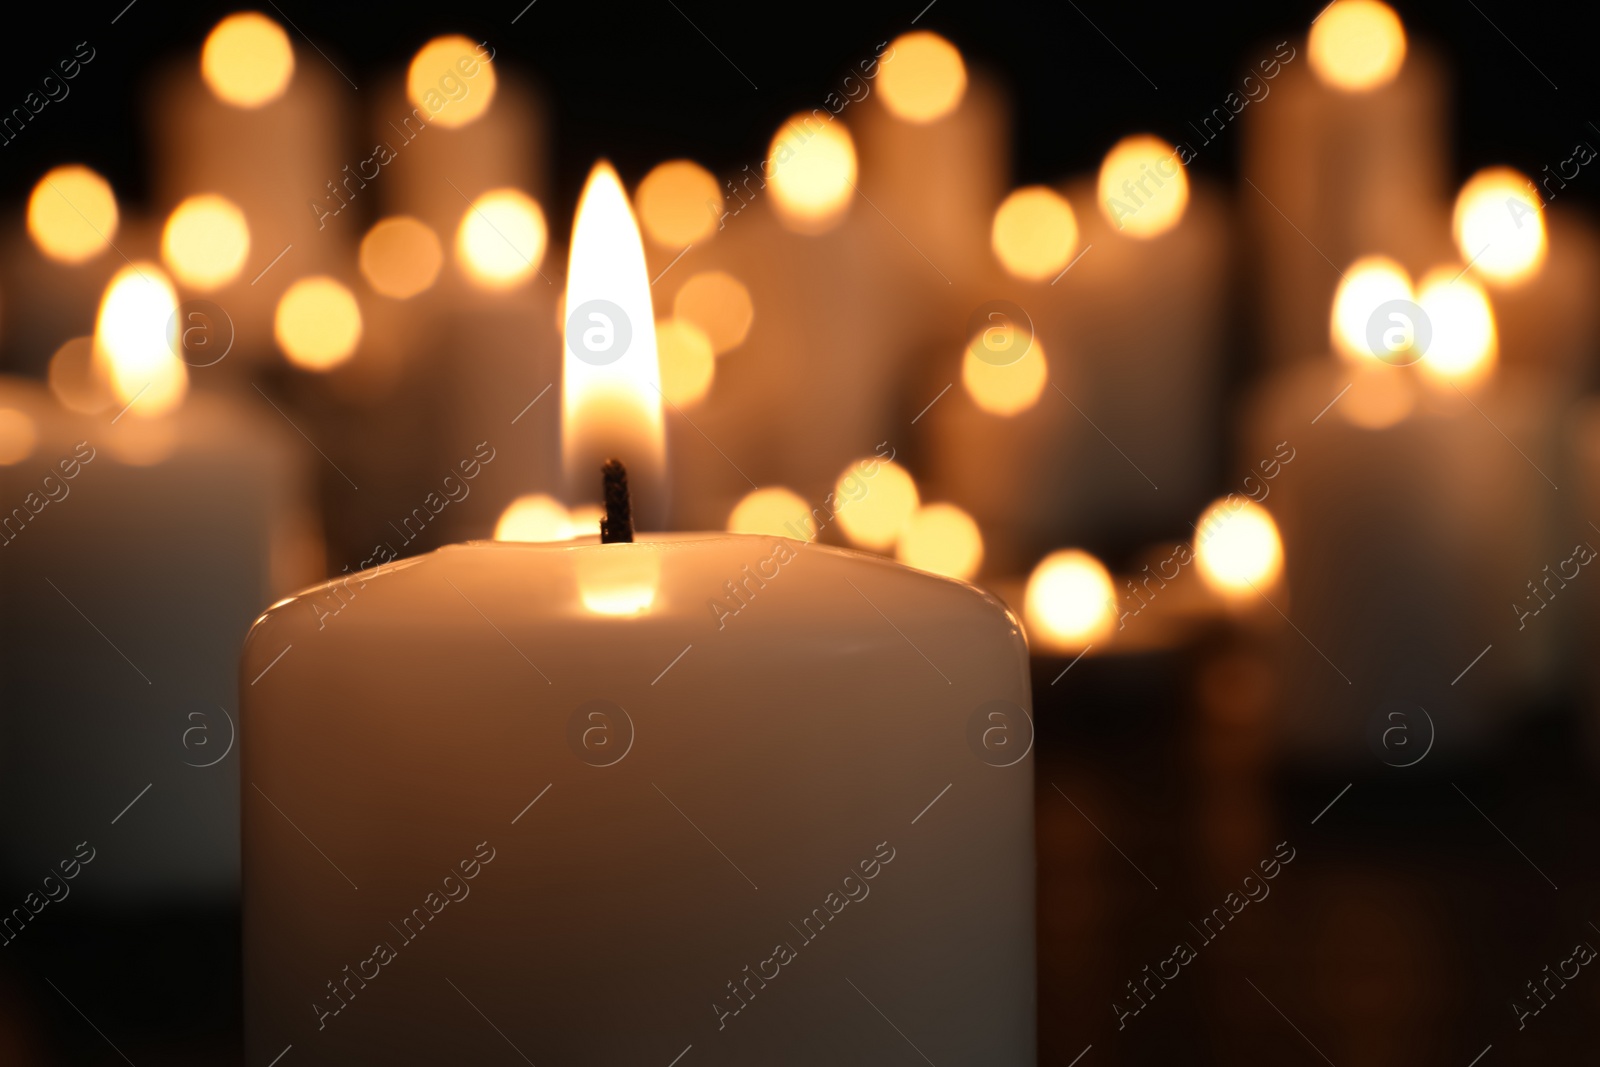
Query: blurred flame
1069, 603
206, 241
813, 172
924, 78
774, 510
1357, 45
247, 60
1499, 226
534, 517
943, 539
1237, 547
874, 505
72, 214
1143, 188
451, 81
502, 237
1034, 234
132, 343
1371, 282
1465, 343
679, 203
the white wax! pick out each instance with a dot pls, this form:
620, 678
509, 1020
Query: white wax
133, 557
842, 714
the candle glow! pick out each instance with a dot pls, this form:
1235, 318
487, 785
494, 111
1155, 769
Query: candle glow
679, 203
132, 344
775, 511
1008, 389
1143, 189
72, 214
813, 173
942, 539
1237, 547
611, 377
1368, 284
501, 240
318, 323
1465, 342
1357, 45
1069, 603
923, 79
205, 241
719, 304
247, 60
400, 257
1034, 234
876, 515
534, 517
1499, 226
436, 81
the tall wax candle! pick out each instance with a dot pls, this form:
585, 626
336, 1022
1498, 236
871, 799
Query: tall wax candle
516, 792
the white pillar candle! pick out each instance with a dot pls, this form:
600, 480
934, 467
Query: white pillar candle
678, 765
133, 555
263, 127
1346, 155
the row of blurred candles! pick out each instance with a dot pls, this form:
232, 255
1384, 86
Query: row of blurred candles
1133, 330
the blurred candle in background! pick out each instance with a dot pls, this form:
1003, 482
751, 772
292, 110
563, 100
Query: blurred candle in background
250, 159
1415, 514
142, 531
1345, 153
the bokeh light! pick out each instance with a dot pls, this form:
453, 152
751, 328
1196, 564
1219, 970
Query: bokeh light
400, 257
247, 60
501, 240
534, 517
17, 436
923, 79
774, 511
1368, 284
1069, 603
318, 323
943, 539
1237, 547
1356, 45
679, 203
873, 508
1499, 226
72, 214
687, 363
132, 344
1465, 342
1034, 234
205, 241
812, 170
1143, 189
1008, 389
719, 304
451, 81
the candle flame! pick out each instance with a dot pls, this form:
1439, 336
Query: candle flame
611, 378
132, 342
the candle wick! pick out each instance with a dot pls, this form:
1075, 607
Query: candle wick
616, 525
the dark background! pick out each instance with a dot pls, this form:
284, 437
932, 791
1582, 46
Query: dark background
637, 82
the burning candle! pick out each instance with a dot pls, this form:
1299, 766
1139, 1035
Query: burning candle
627, 819
140, 528
1345, 154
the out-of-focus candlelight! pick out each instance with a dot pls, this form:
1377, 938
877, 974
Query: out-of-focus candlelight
501, 240
1069, 603
873, 509
1464, 345
1004, 388
1368, 284
720, 305
775, 510
1143, 189
437, 75
247, 60
1034, 234
924, 80
679, 203
1237, 548
943, 539
813, 173
1357, 45
688, 363
400, 257
318, 323
535, 517
206, 241
131, 340
1499, 226
72, 214
80, 383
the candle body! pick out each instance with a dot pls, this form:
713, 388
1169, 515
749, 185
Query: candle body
132, 559
1406, 550
1340, 175
635, 780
